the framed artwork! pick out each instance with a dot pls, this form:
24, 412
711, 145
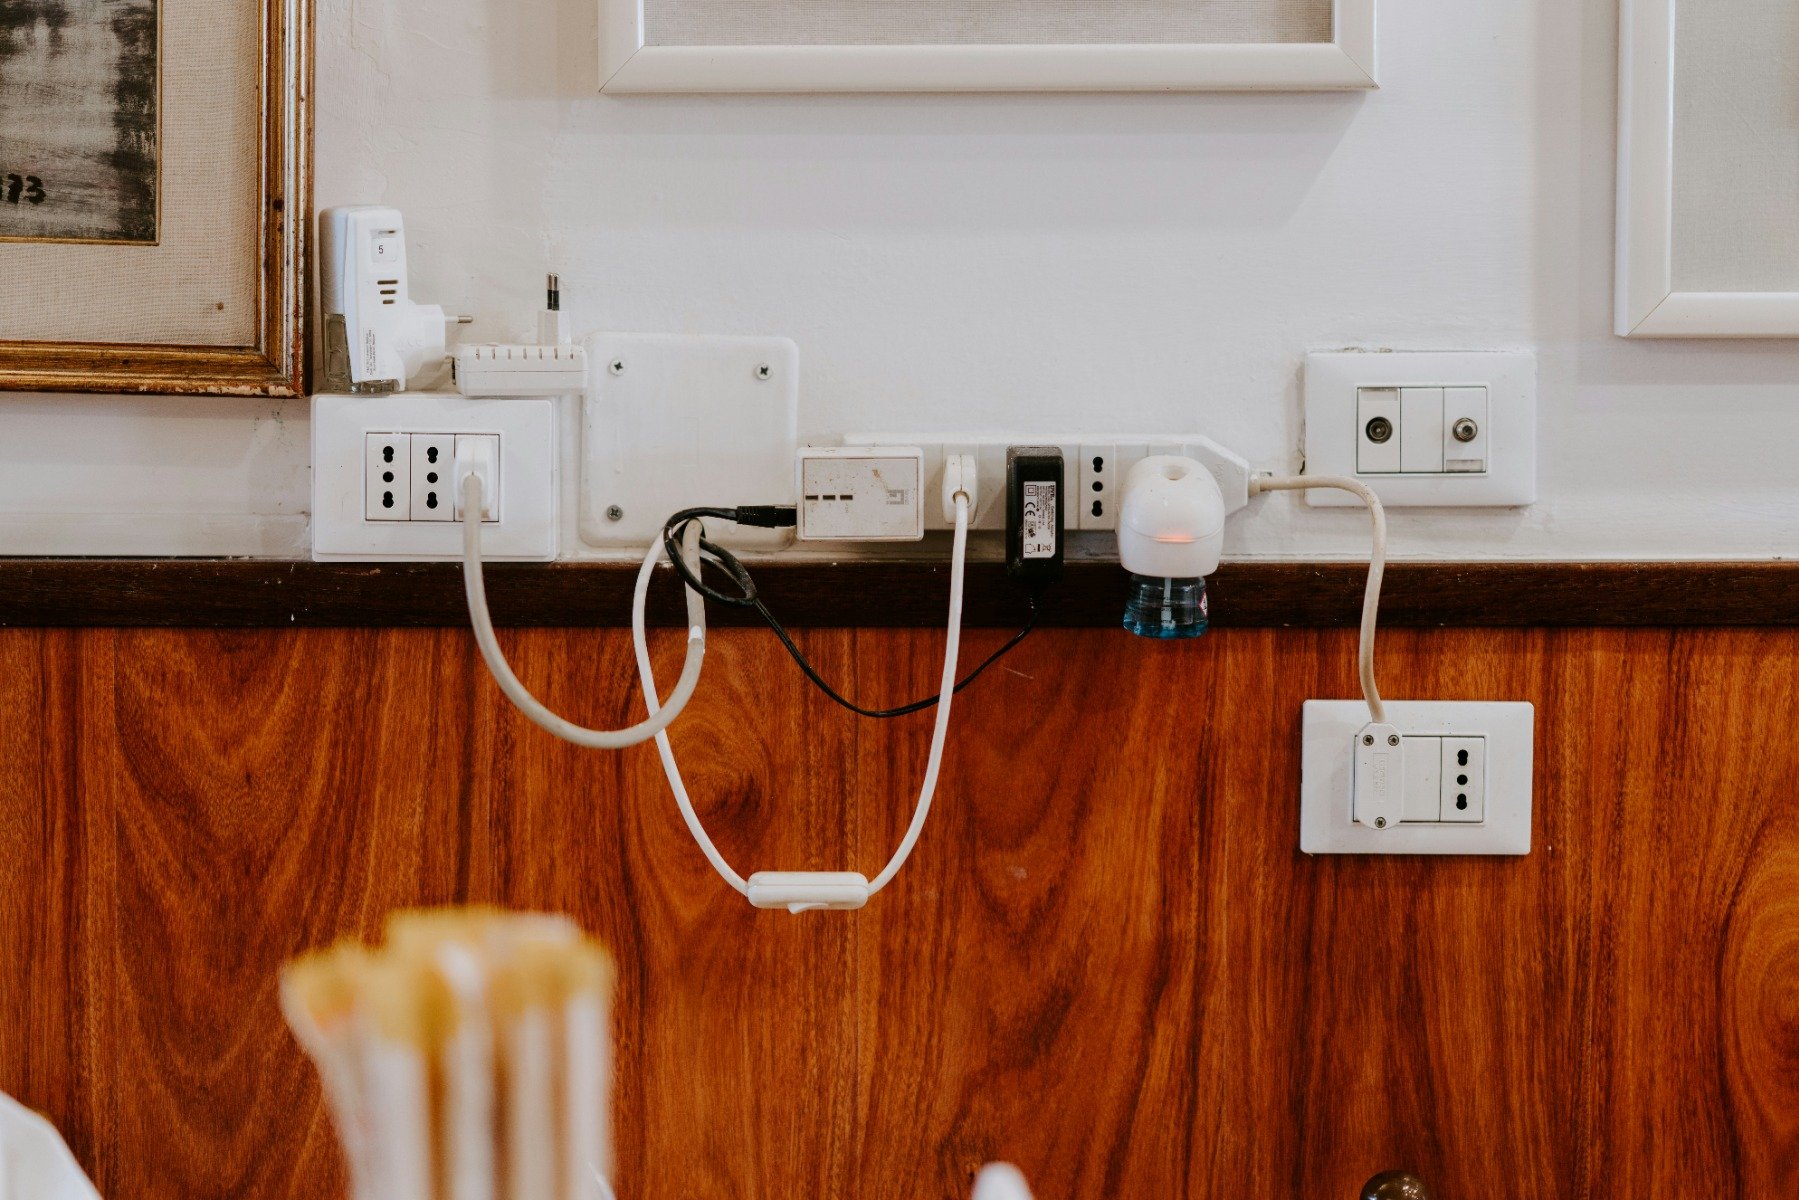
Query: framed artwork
990, 46
155, 162
1708, 169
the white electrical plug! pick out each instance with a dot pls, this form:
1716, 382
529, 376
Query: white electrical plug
1379, 777
478, 454
960, 477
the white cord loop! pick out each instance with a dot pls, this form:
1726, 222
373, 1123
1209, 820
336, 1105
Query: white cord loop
1377, 564
597, 739
812, 892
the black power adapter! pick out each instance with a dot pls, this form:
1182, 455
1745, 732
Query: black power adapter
1035, 502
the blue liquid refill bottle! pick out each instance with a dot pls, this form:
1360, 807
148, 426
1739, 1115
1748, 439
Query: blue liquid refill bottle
1166, 608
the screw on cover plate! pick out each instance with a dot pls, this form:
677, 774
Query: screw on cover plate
1392, 739
1367, 739
1465, 430
615, 513
763, 371
1380, 822
617, 367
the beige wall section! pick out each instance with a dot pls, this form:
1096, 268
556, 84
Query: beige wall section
198, 287
947, 22
1736, 146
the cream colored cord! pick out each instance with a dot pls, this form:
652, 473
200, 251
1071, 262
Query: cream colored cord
597, 739
1377, 564
939, 733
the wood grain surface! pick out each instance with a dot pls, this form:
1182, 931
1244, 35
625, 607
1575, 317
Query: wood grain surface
1106, 961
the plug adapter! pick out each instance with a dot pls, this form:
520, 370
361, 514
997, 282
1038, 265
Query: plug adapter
1035, 477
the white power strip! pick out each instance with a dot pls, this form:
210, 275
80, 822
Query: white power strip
520, 370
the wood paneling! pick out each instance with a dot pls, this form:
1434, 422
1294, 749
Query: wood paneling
1107, 960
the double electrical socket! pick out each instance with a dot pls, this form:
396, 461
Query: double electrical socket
1094, 467
409, 477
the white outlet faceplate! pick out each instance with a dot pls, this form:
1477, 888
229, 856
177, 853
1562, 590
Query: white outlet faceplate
351, 516
1466, 769
1092, 466
1436, 429
672, 422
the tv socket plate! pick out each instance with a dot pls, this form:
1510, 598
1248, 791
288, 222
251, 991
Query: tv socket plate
1424, 429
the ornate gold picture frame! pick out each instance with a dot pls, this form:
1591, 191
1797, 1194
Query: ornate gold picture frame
158, 239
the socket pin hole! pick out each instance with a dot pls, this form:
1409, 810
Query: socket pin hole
387, 499
1099, 464
1461, 801
430, 499
1098, 486
1462, 780
1099, 508
1461, 758
431, 454
387, 454
387, 477
431, 477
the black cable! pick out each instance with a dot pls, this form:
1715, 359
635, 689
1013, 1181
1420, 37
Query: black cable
774, 517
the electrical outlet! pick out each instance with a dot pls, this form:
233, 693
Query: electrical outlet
431, 455
1097, 505
861, 494
1458, 781
359, 441
387, 477
1096, 480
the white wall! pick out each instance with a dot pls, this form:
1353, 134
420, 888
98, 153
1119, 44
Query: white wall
1024, 264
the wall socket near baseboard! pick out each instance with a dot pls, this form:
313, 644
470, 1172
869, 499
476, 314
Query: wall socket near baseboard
383, 486
1462, 772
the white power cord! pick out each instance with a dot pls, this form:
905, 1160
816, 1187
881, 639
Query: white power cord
793, 891
471, 486
1377, 564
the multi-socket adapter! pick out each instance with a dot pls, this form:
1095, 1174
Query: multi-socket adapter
1094, 466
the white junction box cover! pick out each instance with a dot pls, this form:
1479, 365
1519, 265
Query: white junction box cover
1467, 770
673, 422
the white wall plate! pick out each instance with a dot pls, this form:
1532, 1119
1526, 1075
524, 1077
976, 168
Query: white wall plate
1344, 391
673, 422
1327, 801
343, 498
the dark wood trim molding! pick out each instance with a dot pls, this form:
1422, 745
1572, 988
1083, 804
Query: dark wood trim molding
260, 593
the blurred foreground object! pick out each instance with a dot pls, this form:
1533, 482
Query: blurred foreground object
35, 1164
1001, 1181
470, 1058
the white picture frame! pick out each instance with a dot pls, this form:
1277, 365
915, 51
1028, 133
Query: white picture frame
628, 65
1647, 302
